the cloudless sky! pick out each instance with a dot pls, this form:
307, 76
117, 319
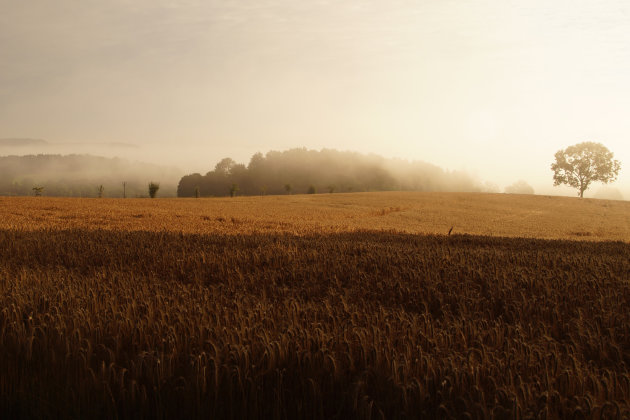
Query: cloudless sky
494, 87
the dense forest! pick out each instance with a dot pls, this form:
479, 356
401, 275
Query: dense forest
83, 176
310, 171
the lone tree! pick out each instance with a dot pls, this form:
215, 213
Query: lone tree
581, 164
38, 191
153, 189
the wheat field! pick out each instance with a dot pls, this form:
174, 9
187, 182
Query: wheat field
329, 306
530, 216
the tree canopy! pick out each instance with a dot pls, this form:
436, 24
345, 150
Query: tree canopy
582, 164
301, 171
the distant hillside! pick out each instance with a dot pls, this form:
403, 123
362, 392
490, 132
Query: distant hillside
9, 146
309, 171
81, 176
18, 142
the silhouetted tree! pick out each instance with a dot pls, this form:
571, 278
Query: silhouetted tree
100, 190
190, 185
153, 189
580, 165
38, 191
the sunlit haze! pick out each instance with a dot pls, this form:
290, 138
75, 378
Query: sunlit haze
492, 87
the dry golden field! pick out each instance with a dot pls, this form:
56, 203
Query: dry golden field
329, 306
542, 217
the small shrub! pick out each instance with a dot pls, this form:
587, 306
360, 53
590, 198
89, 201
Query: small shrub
233, 190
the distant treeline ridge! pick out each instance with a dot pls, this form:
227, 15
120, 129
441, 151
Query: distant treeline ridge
82, 176
310, 171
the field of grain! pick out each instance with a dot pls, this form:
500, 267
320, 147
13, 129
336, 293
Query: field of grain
328, 306
542, 217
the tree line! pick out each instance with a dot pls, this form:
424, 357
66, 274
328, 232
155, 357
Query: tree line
303, 171
83, 176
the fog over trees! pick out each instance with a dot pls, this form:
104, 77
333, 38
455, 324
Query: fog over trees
299, 171
83, 176
293, 171
519, 187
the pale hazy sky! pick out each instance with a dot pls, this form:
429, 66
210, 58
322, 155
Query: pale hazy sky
494, 87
